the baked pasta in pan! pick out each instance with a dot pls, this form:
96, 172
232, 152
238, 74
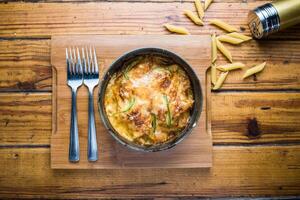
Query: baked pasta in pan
149, 101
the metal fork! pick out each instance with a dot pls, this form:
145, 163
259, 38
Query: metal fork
90, 80
75, 80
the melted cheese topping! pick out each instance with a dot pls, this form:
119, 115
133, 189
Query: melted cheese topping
149, 101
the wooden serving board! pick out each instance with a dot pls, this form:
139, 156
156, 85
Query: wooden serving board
195, 151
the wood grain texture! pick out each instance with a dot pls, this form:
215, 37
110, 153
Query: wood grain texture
253, 171
277, 115
237, 171
277, 72
25, 119
25, 65
256, 118
29, 20
132, 1
194, 152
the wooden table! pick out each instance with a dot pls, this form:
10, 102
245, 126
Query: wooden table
255, 123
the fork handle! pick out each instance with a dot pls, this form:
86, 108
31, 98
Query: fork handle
92, 138
74, 140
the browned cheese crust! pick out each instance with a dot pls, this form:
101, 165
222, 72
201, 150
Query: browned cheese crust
149, 101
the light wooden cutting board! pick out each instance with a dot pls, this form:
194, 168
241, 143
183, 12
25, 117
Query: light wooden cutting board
195, 151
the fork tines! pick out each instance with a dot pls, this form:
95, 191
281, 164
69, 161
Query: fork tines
89, 60
74, 63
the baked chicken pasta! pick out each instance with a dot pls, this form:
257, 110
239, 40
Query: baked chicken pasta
149, 101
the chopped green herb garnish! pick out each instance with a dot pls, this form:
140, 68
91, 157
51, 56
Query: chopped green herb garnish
164, 69
126, 75
173, 68
153, 123
190, 92
130, 66
129, 106
169, 116
164, 61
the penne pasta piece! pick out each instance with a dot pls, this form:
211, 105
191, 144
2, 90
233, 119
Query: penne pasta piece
207, 4
213, 48
213, 74
223, 25
193, 17
199, 8
229, 67
239, 36
228, 39
176, 29
254, 70
224, 50
220, 80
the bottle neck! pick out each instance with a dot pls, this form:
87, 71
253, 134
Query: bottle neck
264, 21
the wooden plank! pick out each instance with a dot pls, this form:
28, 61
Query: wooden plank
255, 118
276, 73
25, 65
25, 119
237, 172
132, 1
277, 115
29, 20
194, 152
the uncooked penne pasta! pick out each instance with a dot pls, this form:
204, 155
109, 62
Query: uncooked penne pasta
213, 48
223, 25
207, 4
220, 80
213, 74
239, 36
254, 70
199, 8
224, 50
176, 29
229, 67
228, 39
193, 17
